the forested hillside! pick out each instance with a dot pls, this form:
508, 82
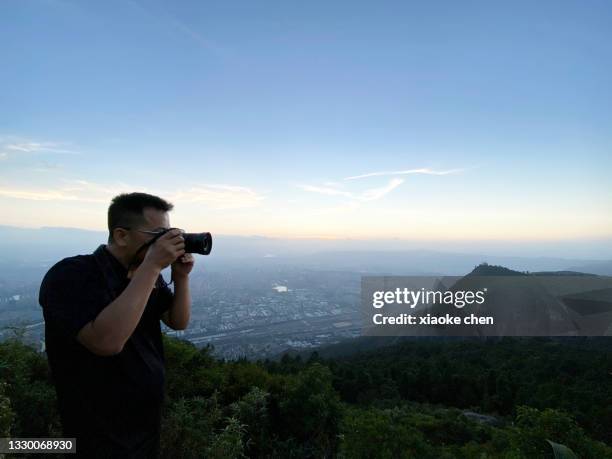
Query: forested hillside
427, 399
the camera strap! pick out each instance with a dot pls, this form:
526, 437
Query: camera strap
143, 247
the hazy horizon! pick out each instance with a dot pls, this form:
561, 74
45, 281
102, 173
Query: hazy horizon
576, 249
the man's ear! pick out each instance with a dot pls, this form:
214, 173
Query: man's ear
120, 237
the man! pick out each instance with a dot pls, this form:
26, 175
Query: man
102, 331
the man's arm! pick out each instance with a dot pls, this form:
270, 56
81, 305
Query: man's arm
177, 316
113, 326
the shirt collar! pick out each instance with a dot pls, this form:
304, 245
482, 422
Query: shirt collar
111, 267
117, 266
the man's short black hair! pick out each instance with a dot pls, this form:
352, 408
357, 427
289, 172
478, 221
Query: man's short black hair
126, 210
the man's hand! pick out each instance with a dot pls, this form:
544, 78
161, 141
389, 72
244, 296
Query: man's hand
165, 250
177, 317
182, 267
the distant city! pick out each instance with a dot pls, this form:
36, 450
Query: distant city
241, 312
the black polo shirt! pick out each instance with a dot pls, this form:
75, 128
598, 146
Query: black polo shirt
111, 404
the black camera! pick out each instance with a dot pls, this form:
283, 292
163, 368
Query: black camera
194, 242
198, 243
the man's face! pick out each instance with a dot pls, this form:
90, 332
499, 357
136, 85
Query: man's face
153, 220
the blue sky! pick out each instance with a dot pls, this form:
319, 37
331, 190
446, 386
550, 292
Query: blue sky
459, 120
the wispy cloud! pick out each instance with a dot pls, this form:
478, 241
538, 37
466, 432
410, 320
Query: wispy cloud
98, 191
371, 194
164, 17
10, 146
32, 147
333, 188
376, 193
214, 196
195, 36
33, 195
72, 191
219, 196
424, 170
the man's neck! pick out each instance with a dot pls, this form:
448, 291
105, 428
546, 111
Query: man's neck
121, 257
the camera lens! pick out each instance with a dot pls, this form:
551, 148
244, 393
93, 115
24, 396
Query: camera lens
198, 243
